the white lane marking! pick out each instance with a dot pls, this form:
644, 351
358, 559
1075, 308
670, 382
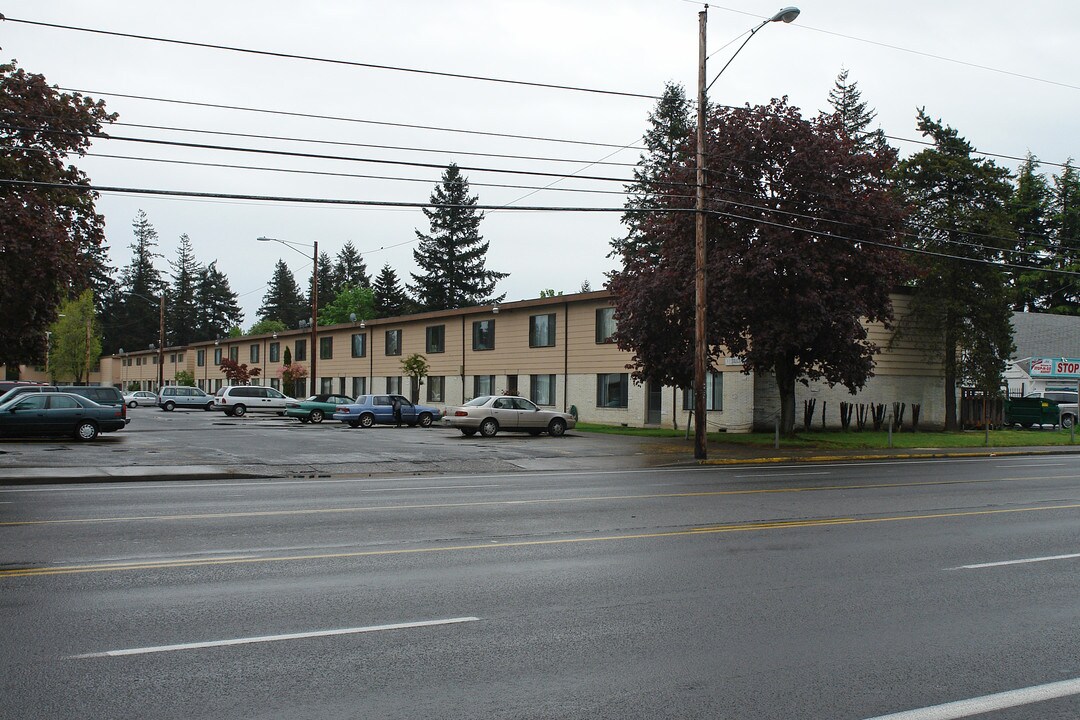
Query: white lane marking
1017, 562
174, 486
785, 474
273, 638
1016, 465
989, 703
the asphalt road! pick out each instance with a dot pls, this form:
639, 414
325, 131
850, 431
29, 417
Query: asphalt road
810, 591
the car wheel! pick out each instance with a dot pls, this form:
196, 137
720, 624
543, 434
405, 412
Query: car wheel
1067, 421
425, 420
367, 420
468, 432
353, 423
317, 416
557, 427
239, 410
133, 404
229, 413
489, 427
209, 405
169, 406
86, 430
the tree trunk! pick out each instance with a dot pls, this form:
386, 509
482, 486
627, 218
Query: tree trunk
950, 373
785, 383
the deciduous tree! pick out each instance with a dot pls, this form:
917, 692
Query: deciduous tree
75, 342
801, 242
51, 238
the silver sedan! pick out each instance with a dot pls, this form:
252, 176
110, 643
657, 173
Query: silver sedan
488, 414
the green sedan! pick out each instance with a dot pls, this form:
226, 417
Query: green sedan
316, 407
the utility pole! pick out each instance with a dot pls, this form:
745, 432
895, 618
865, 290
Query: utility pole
161, 344
700, 338
314, 318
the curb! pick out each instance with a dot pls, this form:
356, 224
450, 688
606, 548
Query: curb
926, 455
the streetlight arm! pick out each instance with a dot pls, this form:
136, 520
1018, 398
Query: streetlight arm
784, 15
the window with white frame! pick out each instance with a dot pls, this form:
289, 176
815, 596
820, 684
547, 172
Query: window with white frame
542, 389
612, 390
714, 393
542, 330
605, 325
436, 386
483, 385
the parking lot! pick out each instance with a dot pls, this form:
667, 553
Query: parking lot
266, 444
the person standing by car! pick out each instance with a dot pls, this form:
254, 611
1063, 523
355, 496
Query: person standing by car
397, 411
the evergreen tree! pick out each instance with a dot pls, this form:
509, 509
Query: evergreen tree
1029, 210
350, 269
390, 298
217, 307
283, 300
669, 141
848, 106
1062, 292
327, 285
452, 258
180, 308
134, 319
961, 294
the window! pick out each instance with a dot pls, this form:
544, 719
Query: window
542, 330
202, 383
359, 386
275, 352
436, 339
612, 390
605, 325
179, 357
483, 385
326, 348
234, 353
393, 343
301, 350
155, 359
172, 358
359, 346
200, 358
217, 356
542, 389
435, 389
326, 385
483, 335
714, 393
274, 383
254, 352
393, 383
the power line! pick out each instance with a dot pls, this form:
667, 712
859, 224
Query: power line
417, 205
338, 118
332, 61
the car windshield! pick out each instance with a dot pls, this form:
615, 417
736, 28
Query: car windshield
478, 401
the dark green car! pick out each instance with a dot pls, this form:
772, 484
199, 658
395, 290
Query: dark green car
56, 413
316, 407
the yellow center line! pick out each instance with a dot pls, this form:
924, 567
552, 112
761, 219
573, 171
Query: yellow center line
747, 527
491, 503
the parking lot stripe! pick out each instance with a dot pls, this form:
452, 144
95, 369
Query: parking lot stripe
989, 703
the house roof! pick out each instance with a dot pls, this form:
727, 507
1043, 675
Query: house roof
1046, 335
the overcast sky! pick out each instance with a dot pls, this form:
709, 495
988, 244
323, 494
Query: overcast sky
1003, 73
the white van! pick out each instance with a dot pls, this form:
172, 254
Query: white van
240, 399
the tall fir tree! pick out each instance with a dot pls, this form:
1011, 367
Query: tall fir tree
1062, 292
961, 295
217, 305
668, 143
452, 258
180, 308
1029, 211
133, 318
847, 104
391, 299
327, 287
350, 269
283, 300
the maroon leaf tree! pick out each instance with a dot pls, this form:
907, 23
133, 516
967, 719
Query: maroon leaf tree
238, 373
801, 236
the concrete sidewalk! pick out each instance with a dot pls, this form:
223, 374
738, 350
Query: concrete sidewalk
659, 453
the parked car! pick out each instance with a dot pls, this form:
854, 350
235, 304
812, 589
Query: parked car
101, 394
239, 400
1068, 408
140, 397
58, 413
370, 410
6, 385
20, 388
488, 414
316, 407
184, 396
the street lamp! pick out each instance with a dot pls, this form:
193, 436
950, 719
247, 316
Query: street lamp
700, 339
314, 299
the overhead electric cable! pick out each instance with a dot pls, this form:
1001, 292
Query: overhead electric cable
533, 208
332, 61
